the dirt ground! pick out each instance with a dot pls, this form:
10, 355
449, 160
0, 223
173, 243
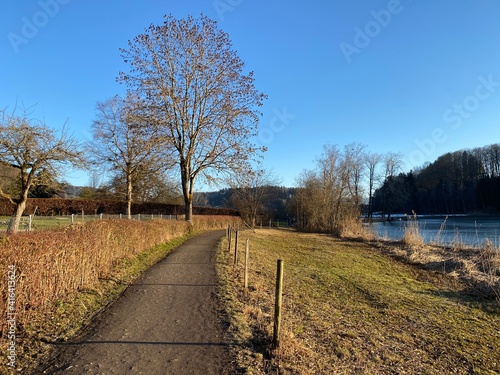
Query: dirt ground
167, 322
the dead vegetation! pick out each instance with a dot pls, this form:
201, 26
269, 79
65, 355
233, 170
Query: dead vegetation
478, 267
63, 277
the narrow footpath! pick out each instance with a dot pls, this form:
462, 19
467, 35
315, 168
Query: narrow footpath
167, 322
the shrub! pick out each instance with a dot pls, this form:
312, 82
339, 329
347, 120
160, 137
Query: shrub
412, 235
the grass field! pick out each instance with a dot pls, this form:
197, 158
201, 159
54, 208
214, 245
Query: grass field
350, 309
54, 222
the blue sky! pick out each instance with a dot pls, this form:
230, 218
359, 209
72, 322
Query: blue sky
417, 77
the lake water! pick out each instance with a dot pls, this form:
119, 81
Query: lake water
469, 230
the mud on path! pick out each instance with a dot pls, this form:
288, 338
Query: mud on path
167, 322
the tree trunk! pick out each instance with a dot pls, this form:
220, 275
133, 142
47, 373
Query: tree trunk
129, 197
187, 190
370, 198
16, 217
188, 208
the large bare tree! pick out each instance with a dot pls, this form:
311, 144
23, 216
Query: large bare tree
29, 146
124, 144
193, 83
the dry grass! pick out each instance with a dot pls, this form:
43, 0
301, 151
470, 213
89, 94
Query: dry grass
351, 309
412, 235
64, 276
478, 266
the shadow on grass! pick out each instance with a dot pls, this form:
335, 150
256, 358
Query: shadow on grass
470, 297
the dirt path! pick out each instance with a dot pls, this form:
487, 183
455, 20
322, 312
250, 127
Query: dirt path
167, 322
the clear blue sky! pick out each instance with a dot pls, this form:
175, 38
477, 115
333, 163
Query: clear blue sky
417, 77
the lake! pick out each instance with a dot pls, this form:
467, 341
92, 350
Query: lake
469, 230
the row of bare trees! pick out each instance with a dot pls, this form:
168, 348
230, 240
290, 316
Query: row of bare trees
329, 197
189, 104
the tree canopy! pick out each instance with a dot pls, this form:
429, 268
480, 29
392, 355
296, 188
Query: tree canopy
123, 144
30, 147
194, 90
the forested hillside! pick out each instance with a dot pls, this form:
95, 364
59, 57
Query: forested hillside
275, 204
461, 182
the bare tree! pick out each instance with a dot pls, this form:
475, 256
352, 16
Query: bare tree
393, 163
355, 168
192, 82
123, 144
30, 146
327, 200
148, 187
251, 189
371, 160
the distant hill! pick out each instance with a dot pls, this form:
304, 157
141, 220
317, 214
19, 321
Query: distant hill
276, 206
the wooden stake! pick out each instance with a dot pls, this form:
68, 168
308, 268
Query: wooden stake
236, 249
277, 303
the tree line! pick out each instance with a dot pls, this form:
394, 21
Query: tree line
460, 182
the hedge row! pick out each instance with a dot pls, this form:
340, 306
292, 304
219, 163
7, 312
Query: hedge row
59, 206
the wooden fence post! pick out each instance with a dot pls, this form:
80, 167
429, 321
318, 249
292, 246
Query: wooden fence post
72, 218
277, 303
229, 239
236, 248
246, 264
30, 220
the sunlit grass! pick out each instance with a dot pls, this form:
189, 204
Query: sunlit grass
348, 308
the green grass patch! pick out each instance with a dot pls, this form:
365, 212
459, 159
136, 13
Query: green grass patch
348, 308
